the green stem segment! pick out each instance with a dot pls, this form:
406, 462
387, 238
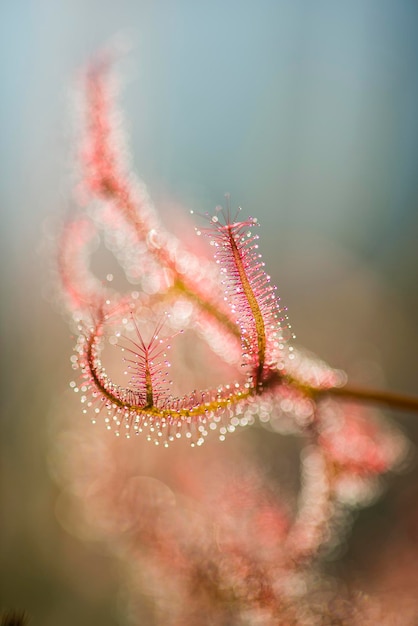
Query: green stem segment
148, 385
375, 396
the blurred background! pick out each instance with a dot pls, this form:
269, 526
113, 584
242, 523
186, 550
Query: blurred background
307, 113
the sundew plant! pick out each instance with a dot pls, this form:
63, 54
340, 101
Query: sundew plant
207, 534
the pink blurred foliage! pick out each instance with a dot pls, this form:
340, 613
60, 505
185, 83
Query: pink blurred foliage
210, 535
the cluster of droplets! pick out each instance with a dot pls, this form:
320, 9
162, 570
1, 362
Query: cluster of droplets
145, 405
263, 323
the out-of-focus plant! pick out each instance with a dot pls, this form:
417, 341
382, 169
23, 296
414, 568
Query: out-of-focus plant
207, 534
